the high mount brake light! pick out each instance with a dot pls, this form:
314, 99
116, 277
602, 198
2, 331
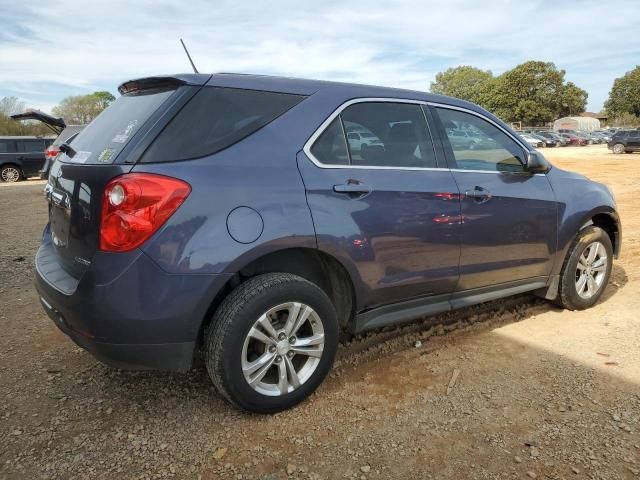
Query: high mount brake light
135, 206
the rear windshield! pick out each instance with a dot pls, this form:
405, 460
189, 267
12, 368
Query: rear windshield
216, 118
103, 139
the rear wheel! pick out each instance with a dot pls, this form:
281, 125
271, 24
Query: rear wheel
271, 342
10, 173
618, 148
586, 269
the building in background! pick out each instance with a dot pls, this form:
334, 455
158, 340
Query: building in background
586, 124
602, 117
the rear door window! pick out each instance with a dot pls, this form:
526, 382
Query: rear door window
103, 139
31, 146
378, 134
216, 118
394, 135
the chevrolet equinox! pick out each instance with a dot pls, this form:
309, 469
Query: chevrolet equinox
231, 214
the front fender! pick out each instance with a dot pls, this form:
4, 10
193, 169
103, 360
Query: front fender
579, 201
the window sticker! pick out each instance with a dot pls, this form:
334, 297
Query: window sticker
124, 136
81, 157
106, 155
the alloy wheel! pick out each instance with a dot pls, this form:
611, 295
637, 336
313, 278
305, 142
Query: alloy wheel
591, 270
10, 174
283, 349
618, 148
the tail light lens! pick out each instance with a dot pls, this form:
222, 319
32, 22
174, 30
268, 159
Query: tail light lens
51, 152
135, 206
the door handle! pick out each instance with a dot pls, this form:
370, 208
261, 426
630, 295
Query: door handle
478, 194
354, 190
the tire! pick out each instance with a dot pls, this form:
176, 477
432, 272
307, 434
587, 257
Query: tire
618, 148
10, 173
232, 346
570, 295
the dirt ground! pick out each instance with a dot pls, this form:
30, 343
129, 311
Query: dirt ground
541, 392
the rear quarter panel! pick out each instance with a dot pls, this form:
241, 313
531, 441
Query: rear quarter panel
259, 173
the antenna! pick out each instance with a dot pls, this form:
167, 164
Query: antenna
195, 70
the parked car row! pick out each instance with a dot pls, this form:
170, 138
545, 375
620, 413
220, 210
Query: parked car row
565, 137
595, 137
617, 140
544, 138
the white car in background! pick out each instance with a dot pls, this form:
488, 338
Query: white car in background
534, 142
359, 139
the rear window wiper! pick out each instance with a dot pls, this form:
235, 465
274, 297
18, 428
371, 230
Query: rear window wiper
67, 149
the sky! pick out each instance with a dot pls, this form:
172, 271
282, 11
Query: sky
50, 49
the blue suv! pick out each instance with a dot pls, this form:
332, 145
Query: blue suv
239, 215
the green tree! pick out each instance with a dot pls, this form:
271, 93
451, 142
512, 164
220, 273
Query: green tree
81, 109
573, 100
465, 82
529, 93
624, 97
532, 93
625, 120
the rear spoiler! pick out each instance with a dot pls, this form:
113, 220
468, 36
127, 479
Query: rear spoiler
55, 124
168, 82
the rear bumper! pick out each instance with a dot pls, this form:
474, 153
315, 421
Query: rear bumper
138, 317
163, 356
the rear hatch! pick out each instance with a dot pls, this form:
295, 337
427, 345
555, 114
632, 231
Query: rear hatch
109, 146
57, 125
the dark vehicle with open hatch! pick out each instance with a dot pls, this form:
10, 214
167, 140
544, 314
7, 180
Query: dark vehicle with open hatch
230, 214
21, 157
64, 133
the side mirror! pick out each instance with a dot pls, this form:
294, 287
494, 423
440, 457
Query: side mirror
536, 163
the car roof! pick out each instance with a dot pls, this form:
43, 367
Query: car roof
309, 86
303, 86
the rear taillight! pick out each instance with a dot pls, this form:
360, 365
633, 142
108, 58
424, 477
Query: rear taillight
51, 152
135, 205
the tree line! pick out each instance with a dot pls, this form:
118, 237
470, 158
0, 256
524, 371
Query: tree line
535, 93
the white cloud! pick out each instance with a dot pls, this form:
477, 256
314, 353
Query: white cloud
54, 49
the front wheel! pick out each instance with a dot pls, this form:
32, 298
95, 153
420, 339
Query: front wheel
271, 342
618, 148
586, 269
